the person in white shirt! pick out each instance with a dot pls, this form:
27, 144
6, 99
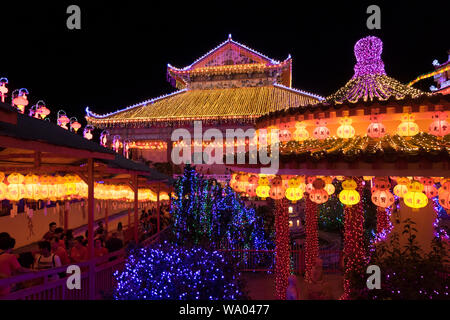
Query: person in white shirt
46, 259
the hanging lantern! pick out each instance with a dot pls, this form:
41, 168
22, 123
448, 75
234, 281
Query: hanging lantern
368, 178
263, 188
444, 195
294, 192
3, 187
285, 134
241, 182
16, 189
116, 143
349, 196
71, 186
32, 187
277, 191
63, 120
321, 131
74, 124
407, 128
439, 127
126, 148
44, 181
300, 133
415, 198
252, 185
41, 110
3, 88
345, 130
87, 132
381, 196
104, 136
428, 187
401, 188
318, 193
19, 99
376, 129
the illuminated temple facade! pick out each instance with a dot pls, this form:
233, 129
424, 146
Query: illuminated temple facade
229, 87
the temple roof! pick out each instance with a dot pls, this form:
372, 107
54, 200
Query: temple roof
243, 103
370, 82
230, 57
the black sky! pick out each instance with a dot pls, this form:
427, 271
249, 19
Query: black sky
120, 56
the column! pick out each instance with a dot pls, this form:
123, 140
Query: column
282, 252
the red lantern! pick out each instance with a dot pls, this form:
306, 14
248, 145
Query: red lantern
439, 127
318, 194
376, 129
382, 198
285, 134
321, 131
444, 195
20, 100
252, 185
277, 190
428, 187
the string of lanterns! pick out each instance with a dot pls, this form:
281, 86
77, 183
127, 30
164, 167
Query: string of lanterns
415, 191
54, 188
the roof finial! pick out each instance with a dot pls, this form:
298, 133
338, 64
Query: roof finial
229, 36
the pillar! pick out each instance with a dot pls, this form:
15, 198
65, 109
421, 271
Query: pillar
91, 212
312, 237
354, 251
282, 252
158, 208
106, 215
136, 218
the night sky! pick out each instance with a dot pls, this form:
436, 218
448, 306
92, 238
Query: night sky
119, 57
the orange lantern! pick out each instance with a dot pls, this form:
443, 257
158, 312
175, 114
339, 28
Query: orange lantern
349, 196
321, 131
381, 196
376, 129
31, 187
277, 190
3, 187
444, 195
439, 127
428, 187
407, 127
16, 189
345, 130
285, 134
252, 185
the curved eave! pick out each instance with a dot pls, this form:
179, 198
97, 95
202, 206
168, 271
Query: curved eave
92, 115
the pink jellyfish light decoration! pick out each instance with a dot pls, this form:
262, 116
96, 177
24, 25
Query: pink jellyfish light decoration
87, 132
321, 131
74, 124
126, 148
104, 136
19, 99
116, 143
439, 127
3, 88
63, 120
376, 129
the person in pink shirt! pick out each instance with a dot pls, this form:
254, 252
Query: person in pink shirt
9, 265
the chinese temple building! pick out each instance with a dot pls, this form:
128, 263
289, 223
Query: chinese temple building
374, 133
229, 87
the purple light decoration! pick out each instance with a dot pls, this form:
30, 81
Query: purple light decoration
368, 56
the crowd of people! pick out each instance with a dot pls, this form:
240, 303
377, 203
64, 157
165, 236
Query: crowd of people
149, 219
57, 248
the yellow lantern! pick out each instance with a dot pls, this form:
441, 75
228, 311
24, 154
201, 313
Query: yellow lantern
294, 192
60, 187
408, 127
401, 188
43, 187
71, 186
32, 187
349, 196
345, 130
300, 134
263, 188
16, 189
415, 198
3, 187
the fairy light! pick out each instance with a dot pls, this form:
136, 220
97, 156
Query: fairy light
282, 252
312, 237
